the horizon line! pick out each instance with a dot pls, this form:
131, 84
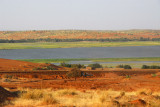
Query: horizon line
75, 30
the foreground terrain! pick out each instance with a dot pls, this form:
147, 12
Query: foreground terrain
111, 87
112, 90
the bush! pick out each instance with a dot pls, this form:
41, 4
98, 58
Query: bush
128, 76
154, 75
145, 67
124, 66
74, 73
127, 67
72, 65
150, 67
45, 68
96, 65
119, 66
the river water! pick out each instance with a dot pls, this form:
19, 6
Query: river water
91, 52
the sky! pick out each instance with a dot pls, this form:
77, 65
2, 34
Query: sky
79, 14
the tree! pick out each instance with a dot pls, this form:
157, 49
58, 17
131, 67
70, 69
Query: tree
74, 73
119, 66
124, 66
96, 65
127, 67
145, 67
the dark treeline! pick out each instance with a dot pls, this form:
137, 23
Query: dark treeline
76, 40
150, 67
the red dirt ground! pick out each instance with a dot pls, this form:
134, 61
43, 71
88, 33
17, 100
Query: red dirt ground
116, 83
101, 80
14, 65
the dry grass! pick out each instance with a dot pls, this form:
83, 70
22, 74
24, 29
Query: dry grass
96, 98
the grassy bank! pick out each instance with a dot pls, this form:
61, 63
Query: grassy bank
92, 59
40, 45
97, 98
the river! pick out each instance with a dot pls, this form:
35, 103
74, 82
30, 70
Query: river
91, 52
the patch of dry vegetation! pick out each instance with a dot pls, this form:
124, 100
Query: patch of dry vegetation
87, 98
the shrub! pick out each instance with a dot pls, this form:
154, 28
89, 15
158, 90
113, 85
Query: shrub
72, 65
51, 68
45, 68
74, 73
127, 67
96, 65
154, 75
119, 66
145, 67
150, 67
124, 66
65, 65
128, 76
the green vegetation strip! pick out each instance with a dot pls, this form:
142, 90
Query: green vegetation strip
40, 45
92, 59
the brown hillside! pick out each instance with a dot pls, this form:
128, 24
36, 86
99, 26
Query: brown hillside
14, 65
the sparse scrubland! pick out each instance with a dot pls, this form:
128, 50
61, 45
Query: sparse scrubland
115, 87
78, 35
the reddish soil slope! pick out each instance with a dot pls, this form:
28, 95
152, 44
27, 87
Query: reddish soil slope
14, 65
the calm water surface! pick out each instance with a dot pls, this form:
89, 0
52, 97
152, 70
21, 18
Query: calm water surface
93, 52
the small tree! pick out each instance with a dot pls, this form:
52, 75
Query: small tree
96, 65
127, 67
145, 67
124, 66
74, 73
119, 66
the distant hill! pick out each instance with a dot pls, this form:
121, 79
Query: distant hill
80, 35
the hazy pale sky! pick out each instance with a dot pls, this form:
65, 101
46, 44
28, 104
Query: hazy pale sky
79, 14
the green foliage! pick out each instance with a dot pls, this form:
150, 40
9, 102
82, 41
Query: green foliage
154, 75
150, 67
72, 65
50, 67
127, 67
74, 73
119, 66
128, 76
124, 66
96, 65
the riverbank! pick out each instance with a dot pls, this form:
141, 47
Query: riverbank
91, 59
40, 45
105, 62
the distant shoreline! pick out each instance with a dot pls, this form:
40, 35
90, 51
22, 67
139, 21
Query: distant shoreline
42, 45
92, 59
